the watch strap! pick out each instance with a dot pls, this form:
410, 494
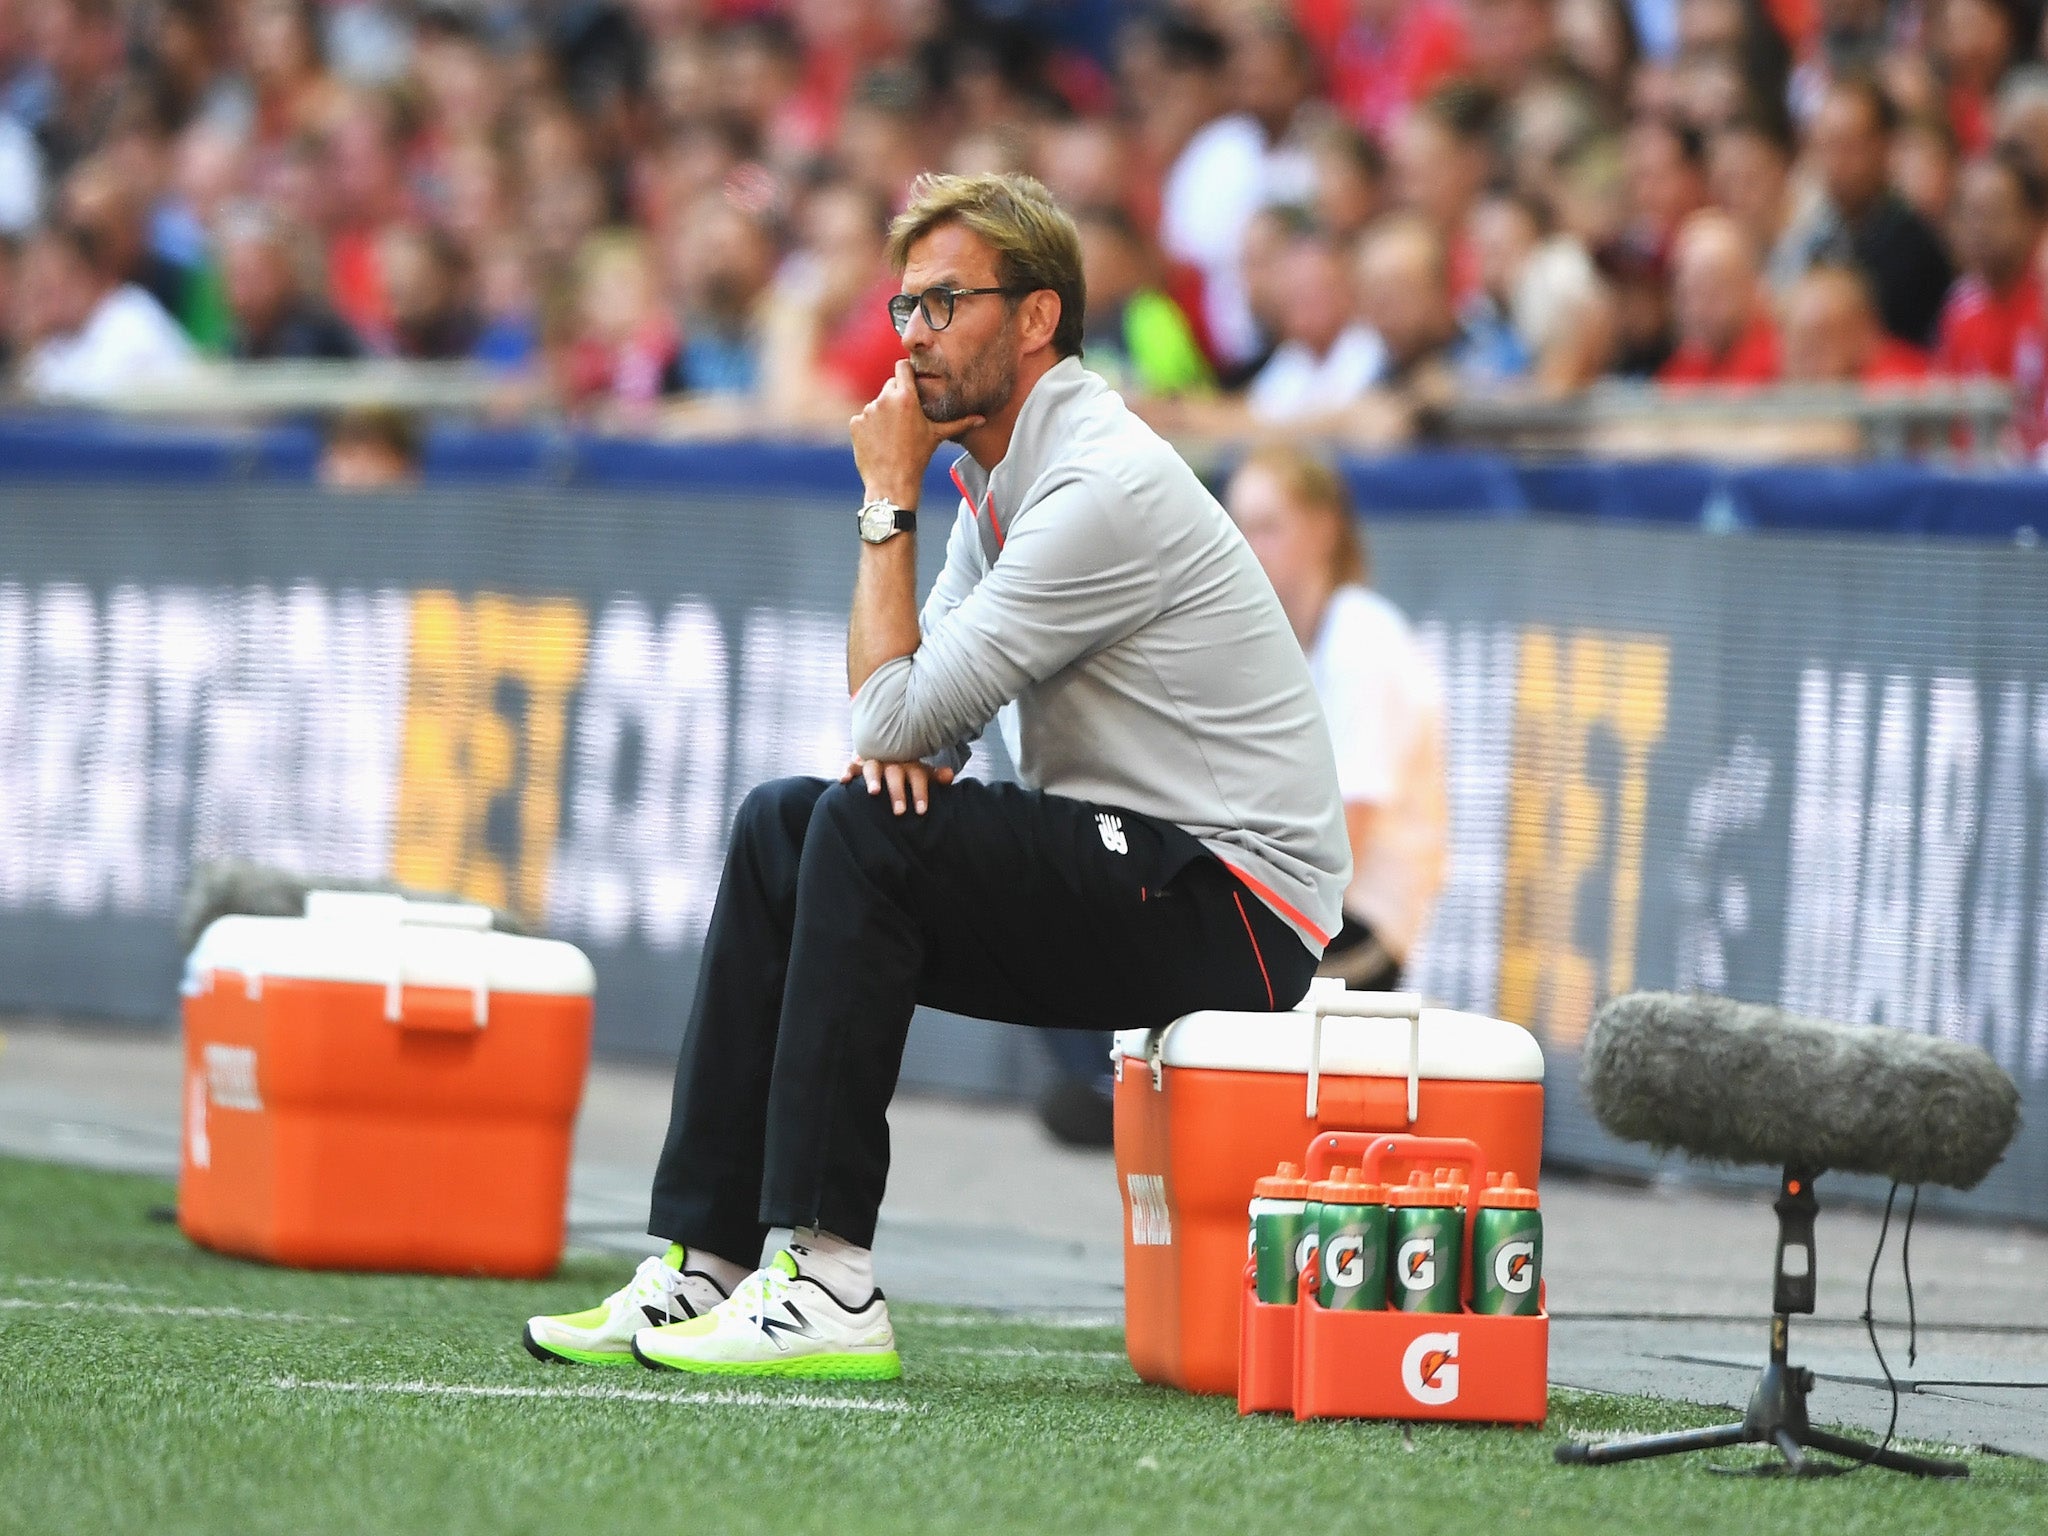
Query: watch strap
902, 519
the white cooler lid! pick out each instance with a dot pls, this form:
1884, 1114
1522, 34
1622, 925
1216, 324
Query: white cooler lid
1453, 1045
382, 939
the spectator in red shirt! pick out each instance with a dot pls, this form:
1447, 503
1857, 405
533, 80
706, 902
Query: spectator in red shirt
1974, 42
1725, 335
1392, 55
841, 44
828, 343
2030, 367
1749, 173
1997, 229
624, 340
1833, 334
364, 174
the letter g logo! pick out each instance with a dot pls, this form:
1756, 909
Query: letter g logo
1429, 1369
1514, 1267
1346, 1261
1415, 1264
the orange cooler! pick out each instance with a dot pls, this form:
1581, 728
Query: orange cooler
382, 1084
1207, 1106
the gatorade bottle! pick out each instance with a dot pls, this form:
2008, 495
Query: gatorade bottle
1507, 1250
1312, 1235
1426, 1238
1279, 1228
1351, 1238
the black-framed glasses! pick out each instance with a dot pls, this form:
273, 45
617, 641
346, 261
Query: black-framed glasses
937, 304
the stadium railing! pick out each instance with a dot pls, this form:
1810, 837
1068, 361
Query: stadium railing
1941, 420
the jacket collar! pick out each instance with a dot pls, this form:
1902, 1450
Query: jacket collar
997, 494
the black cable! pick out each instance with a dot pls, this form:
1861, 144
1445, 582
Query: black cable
1870, 1324
1906, 1267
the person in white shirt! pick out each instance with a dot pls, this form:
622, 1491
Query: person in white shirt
96, 336
1380, 695
1276, 77
1328, 358
1216, 178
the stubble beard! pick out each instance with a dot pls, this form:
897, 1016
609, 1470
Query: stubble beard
981, 388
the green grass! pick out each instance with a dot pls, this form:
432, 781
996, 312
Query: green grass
115, 1420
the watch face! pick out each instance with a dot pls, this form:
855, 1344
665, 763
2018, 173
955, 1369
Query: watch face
877, 522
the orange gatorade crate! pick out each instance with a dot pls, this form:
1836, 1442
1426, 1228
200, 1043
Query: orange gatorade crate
1216, 1100
1265, 1348
382, 1084
1388, 1364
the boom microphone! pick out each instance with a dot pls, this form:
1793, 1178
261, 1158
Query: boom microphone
1740, 1083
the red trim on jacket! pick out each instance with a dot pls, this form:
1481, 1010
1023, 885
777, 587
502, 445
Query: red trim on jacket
1265, 894
988, 502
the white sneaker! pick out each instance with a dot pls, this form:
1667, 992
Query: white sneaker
603, 1335
779, 1323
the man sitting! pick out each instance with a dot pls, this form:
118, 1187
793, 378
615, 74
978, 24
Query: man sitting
1177, 840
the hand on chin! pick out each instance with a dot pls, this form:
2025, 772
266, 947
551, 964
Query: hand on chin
895, 433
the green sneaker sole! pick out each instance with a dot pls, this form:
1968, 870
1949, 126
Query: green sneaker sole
562, 1355
824, 1367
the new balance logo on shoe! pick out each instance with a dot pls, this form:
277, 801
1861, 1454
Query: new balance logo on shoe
775, 1327
675, 1312
1112, 830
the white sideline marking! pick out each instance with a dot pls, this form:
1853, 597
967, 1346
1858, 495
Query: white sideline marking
65, 1285
712, 1399
139, 1309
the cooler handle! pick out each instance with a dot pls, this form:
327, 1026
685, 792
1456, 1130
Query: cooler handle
1155, 1050
437, 1010
1367, 1005
424, 1014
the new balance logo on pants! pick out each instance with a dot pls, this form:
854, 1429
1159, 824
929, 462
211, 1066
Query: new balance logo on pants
1112, 830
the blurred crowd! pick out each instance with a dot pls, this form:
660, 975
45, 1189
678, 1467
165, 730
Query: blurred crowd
1332, 217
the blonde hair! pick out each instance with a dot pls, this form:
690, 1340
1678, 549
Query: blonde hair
1036, 244
1313, 484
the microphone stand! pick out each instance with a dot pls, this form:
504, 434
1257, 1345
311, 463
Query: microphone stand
1777, 1408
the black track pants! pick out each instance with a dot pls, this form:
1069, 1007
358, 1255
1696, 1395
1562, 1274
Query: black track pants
835, 917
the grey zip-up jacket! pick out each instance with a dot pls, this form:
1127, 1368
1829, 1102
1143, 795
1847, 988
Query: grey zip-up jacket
1091, 578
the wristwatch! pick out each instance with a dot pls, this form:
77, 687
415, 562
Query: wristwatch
881, 520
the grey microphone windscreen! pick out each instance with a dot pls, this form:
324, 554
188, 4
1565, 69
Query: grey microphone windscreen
1742, 1083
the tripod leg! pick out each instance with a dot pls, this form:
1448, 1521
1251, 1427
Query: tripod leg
1884, 1456
1795, 1459
1576, 1453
